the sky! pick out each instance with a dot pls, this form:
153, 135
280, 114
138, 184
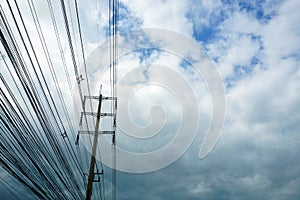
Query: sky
254, 45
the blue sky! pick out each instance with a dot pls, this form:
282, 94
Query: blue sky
255, 47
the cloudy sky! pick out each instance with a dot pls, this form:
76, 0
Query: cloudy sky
254, 45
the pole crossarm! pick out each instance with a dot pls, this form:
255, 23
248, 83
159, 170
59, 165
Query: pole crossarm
97, 97
95, 114
99, 132
96, 133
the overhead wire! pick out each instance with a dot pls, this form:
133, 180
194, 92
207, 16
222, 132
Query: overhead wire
66, 24
54, 76
13, 191
20, 75
31, 149
87, 78
35, 93
82, 98
11, 116
57, 35
113, 31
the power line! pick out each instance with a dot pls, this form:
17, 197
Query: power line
35, 93
34, 144
27, 148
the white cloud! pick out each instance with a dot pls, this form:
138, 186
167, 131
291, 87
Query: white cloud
162, 14
263, 111
281, 37
240, 23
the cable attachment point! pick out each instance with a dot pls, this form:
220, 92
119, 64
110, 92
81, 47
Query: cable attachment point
64, 134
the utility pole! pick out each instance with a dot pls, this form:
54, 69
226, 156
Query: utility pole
89, 189
113, 30
96, 133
